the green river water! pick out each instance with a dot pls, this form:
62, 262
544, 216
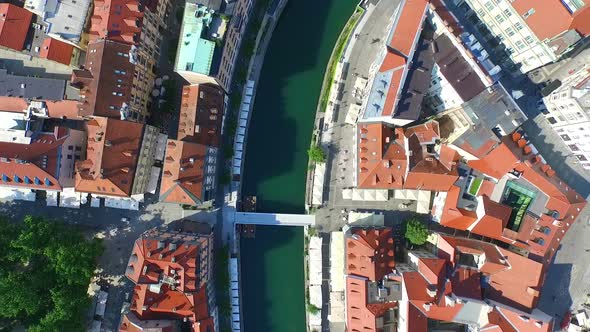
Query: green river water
276, 160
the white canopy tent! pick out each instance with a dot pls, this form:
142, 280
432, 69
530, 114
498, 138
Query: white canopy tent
365, 219
318, 184
423, 205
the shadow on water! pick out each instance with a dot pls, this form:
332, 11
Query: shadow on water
273, 261
286, 100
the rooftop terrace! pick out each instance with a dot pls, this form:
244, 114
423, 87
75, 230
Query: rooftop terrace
195, 53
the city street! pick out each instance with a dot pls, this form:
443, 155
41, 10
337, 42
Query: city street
369, 42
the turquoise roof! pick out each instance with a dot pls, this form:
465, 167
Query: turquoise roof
194, 52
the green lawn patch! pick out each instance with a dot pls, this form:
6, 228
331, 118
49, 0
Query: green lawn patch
336, 55
474, 187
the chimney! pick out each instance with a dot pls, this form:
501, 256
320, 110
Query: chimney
427, 306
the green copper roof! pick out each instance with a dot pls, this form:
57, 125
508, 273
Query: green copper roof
194, 53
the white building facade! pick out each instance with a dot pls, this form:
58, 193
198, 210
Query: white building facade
568, 110
525, 43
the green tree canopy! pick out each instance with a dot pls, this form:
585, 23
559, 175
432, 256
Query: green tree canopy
45, 269
416, 231
316, 154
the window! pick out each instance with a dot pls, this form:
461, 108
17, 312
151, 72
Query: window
552, 120
574, 147
510, 32
489, 6
518, 26
69, 156
581, 157
507, 12
499, 18
520, 44
529, 39
565, 137
529, 13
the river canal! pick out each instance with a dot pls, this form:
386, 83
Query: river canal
276, 159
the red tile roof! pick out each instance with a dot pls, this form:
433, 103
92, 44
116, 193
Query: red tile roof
408, 27
496, 163
358, 316
183, 173
106, 82
395, 159
117, 20
201, 114
581, 21
13, 104
14, 26
518, 286
453, 216
56, 50
369, 253
34, 165
550, 17
171, 271
382, 156
111, 157
62, 109
494, 221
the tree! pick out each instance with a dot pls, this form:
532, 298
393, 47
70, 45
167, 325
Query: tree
45, 270
316, 154
416, 231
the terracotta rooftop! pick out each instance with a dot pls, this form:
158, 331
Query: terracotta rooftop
116, 20
201, 114
549, 18
112, 153
34, 165
105, 83
369, 253
407, 29
56, 50
14, 26
171, 270
183, 173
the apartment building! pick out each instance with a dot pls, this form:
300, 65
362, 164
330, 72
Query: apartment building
172, 269
533, 32
190, 165
233, 40
138, 25
119, 159
37, 152
568, 109
112, 84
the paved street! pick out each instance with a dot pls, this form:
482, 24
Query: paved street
368, 42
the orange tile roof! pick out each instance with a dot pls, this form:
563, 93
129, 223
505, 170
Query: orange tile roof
117, 20
183, 173
455, 217
62, 109
56, 50
106, 82
33, 165
581, 21
516, 321
171, 271
14, 26
13, 104
427, 133
369, 253
494, 221
111, 158
518, 286
496, 163
550, 17
408, 27
382, 156
358, 316
450, 247
201, 114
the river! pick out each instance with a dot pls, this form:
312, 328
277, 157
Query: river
276, 159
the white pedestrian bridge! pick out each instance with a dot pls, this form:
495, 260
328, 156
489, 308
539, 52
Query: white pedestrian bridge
274, 219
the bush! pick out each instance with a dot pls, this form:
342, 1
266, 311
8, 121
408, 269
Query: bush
416, 231
316, 154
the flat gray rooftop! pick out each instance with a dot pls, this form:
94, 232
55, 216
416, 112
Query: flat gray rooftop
31, 87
